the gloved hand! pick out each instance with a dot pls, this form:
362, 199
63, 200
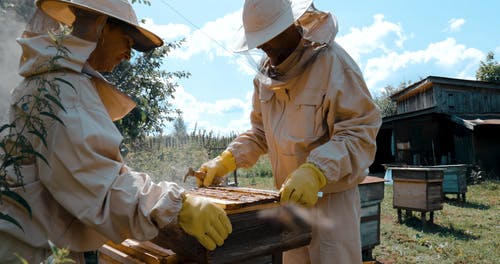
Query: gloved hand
204, 220
217, 167
302, 185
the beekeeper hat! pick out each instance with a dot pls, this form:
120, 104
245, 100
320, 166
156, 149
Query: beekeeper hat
121, 10
265, 19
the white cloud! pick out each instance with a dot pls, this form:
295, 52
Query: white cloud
380, 35
213, 38
378, 49
447, 53
455, 24
169, 31
199, 113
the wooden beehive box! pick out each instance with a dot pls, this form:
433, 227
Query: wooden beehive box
253, 236
418, 188
371, 192
454, 178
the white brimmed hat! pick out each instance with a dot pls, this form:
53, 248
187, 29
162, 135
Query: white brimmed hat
121, 10
265, 19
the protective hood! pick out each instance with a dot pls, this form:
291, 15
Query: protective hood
318, 33
318, 26
38, 50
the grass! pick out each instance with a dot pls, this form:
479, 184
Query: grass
257, 182
461, 233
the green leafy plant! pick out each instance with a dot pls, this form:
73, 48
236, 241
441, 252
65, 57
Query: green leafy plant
31, 113
58, 256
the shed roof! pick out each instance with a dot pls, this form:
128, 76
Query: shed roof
428, 82
468, 121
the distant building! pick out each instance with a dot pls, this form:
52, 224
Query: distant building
443, 121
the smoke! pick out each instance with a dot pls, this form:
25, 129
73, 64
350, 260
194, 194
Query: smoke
10, 52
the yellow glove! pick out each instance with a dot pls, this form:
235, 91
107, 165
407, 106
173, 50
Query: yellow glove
302, 185
217, 167
204, 220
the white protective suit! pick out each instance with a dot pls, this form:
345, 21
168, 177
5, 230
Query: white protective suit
315, 107
87, 195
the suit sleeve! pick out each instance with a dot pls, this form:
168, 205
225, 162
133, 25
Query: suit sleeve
248, 146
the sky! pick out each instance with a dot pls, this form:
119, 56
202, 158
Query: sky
392, 41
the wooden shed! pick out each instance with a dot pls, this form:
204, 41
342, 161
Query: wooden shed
443, 121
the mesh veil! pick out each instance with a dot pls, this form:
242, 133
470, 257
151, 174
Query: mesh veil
87, 25
39, 24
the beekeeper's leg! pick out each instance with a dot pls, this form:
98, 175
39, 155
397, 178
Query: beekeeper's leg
341, 241
296, 256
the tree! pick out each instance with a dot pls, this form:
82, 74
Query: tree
489, 70
180, 129
151, 88
384, 102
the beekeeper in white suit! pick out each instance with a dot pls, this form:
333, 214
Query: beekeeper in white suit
314, 116
86, 195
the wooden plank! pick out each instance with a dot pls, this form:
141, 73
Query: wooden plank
110, 255
372, 210
146, 252
371, 190
370, 234
434, 196
417, 173
409, 195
